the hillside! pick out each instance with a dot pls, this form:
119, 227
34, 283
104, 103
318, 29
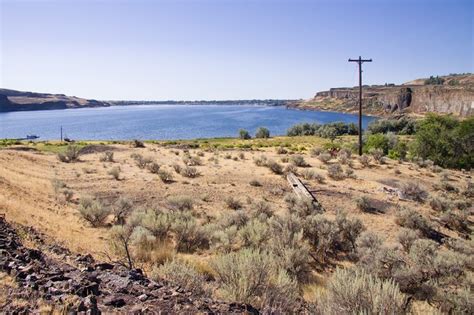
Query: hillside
12, 100
453, 94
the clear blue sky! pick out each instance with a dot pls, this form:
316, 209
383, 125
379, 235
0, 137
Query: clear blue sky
227, 49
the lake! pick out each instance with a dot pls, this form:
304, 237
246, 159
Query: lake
160, 121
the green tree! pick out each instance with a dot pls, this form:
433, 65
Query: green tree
244, 134
262, 132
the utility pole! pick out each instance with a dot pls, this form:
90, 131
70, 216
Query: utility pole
61, 133
360, 61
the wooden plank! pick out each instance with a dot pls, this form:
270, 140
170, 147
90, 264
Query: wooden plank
300, 188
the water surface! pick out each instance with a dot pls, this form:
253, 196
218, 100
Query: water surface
160, 121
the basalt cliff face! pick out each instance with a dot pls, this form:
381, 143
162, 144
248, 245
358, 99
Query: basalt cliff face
453, 95
11, 100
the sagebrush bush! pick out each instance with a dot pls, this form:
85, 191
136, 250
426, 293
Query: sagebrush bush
325, 157
367, 243
411, 219
348, 230
290, 168
413, 191
261, 160
322, 235
275, 167
377, 155
180, 202
122, 209
302, 207
364, 160
189, 235
165, 176
177, 168
406, 237
115, 172
315, 151
298, 160
154, 167
440, 204
93, 211
189, 171
358, 292
155, 221
71, 154
456, 220
255, 183
191, 160
261, 209
233, 203
141, 161
336, 172
180, 273
254, 234
107, 156
281, 150
365, 204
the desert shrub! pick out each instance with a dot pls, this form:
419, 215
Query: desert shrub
233, 203
165, 176
67, 194
115, 172
191, 160
261, 160
107, 156
275, 167
262, 133
406, 237
358, 292
348, 230
179, 273
255, 183
349, 172
223, 240
261, 209
377, 155
322, 235
155, 221
141, 161
137, 144
236, 218
364, 160
281, 150
290, 168
440, 204
446, 141
413, 191
365, 204
251, 276
320, 178
189, 171
413, 220
308, 174
93, 211
177, 168
302, 207
469, 191
189, 235
422, 252
367, 243
432, 80
71, 154
298, 160
122, 209
336, 172
343, 157
254, 234
58, 185
449, 264
244, 134
455, 220
120, 238
324, 157
180, 203
316, 151
154, 167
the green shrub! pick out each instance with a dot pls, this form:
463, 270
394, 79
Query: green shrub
254, 234
191, 160
275, 167
446, 141
261, 210
324, 157
244, 134
189, 235
365, 204
377, 155
322, 235
364, 160
262, 133
261, 160
402, 126
357, 292
455, 220
182, 274
154, 168
377, 141
348, 230
406, 237
440, 204
432, 80
93, 211
413, 220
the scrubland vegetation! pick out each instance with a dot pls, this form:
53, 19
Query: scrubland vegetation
391, 232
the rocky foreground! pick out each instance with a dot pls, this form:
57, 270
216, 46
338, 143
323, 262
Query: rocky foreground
77, 283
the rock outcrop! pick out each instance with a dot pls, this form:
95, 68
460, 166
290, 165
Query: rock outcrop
455, 96
78, 283
11, 100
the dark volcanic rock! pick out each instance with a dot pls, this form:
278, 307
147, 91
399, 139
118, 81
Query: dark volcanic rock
96, 288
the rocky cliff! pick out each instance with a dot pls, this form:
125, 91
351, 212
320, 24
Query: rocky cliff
11, 100
451, 95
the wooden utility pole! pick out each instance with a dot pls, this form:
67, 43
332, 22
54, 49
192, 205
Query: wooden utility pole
360, 61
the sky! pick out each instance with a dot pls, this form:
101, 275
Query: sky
227, 49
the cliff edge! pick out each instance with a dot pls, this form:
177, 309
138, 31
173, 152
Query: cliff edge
453, 94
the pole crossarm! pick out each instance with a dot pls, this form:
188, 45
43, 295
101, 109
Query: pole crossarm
360, 61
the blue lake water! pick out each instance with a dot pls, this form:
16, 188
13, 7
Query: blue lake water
160, 121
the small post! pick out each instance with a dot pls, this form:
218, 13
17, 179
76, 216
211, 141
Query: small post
360, 61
